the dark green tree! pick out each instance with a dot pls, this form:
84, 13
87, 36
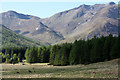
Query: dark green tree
74, 54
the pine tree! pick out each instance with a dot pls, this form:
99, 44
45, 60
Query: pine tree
114, 53
52, 54
96, 52
7, 56
42, 54
39, 54
19, 57
64, 51
74, 54
57, 57
47, 54
107, 48
14, 59
12, 53
27, 55
57, 60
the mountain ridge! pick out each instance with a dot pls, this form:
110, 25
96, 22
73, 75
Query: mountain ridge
82, 22
28, 25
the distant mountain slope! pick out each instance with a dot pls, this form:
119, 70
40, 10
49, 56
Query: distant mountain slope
30, 26
11, 39
83, 22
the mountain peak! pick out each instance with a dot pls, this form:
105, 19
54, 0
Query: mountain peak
111, 3
83, 5
11, 11
22, 16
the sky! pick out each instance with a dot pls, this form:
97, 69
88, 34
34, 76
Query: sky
44, 8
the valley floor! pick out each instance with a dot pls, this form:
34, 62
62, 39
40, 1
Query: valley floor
107, 69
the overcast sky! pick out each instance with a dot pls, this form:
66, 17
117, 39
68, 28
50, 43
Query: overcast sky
45, 8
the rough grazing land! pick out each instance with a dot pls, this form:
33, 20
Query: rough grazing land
107, 69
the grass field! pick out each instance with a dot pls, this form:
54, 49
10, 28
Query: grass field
107, 69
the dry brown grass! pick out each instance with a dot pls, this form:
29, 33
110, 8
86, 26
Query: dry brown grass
107, 69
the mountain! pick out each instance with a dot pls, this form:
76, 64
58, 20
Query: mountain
30, 26
11, 39
83, 22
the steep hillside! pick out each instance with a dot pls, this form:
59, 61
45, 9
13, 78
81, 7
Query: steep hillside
83, 22
11, 39
30, 26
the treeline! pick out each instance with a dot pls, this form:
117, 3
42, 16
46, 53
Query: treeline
86, 52
37, 54
79, 52
13, 54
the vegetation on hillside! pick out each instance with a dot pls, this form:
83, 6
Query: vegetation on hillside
79, 52
11, 39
